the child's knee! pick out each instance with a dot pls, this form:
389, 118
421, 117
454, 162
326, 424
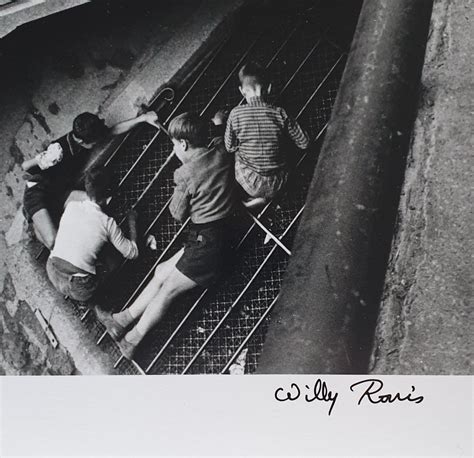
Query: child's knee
176, 283
45, 236
159, 274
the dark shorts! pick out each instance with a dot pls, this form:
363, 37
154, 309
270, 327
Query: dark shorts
39, 197
207, 252
80, 288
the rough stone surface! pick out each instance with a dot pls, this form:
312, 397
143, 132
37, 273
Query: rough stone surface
25, 349
425, 325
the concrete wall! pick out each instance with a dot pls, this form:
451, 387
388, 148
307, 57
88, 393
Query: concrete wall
19, 12
425, 325
51, 71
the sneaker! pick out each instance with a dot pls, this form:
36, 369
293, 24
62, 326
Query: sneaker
115, 330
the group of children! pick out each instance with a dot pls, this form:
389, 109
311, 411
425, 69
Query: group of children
205, 191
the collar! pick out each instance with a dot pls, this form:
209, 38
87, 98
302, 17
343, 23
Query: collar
197, 154
72, 144
256, 101
91, 202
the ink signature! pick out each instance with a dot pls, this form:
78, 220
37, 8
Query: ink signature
371, 393
318, 392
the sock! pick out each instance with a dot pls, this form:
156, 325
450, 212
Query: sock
123, 318
134, 336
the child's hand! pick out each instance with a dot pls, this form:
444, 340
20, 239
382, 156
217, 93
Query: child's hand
220, 117
151, 118
50, 157
132, 215
151, 242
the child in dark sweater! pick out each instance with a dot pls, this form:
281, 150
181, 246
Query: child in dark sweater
204, 193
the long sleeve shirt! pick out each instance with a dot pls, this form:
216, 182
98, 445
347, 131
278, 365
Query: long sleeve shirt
83, 230
204, 188
255, 133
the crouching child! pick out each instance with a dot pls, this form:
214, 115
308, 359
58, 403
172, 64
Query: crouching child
84, 230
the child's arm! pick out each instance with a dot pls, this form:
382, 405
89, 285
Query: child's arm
296, 133
132, 225
128, 248
29, 164
230, 138
49, 157
123, 127
180, 201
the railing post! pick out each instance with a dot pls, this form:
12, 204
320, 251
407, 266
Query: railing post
324, 318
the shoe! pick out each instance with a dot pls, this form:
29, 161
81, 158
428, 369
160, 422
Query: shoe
128, 349
115, 330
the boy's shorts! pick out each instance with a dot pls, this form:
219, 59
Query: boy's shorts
207, 252
36, 198
79, 287
257, 185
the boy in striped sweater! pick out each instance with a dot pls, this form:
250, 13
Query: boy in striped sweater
255, 132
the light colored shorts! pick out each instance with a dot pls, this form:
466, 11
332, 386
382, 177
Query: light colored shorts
257, 185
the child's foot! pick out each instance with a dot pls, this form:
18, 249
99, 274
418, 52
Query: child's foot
255, 202
115, 330
124, 318
129, 343
127, 348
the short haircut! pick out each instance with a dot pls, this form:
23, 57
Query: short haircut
89, 128
98, 184
190, 127
253, 74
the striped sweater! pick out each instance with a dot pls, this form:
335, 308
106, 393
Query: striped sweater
255, 133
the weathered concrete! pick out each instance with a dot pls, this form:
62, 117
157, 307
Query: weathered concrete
425, 326
98, 67
20, 12
206, 22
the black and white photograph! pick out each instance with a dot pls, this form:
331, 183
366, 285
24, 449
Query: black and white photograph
238, 187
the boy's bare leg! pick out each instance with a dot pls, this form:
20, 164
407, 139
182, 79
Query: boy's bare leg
44, 228
176, 284
153, 287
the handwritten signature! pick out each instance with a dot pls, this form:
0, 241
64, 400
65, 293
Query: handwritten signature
375, 386
320, 392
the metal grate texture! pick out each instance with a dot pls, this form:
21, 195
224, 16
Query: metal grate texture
222, 330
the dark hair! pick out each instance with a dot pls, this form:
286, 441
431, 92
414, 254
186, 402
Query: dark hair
253, 74
190, 127
89, 128
98, 184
